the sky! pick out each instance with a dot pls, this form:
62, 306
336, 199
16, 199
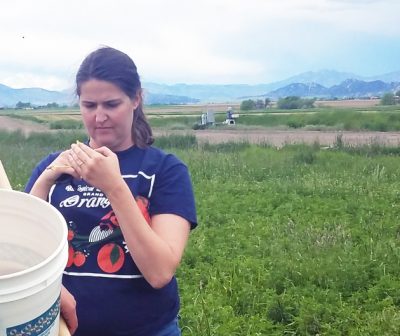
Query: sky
43, 42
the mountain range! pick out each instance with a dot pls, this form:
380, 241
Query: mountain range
319, 84
350, 88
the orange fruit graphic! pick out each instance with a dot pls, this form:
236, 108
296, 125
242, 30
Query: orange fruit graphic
71, 235
110, 216
111, 258
79, 258
71, 253
143, 206
114, 219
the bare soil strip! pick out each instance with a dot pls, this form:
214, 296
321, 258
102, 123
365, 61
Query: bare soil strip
280, 138
271, 136
25, 126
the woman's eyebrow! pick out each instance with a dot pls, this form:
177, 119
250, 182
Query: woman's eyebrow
114, 100
87, 101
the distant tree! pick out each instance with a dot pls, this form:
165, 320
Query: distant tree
52, 105
21, 105
294, 102
308, 103
397, 97
388, 99
259, 104
267, 102
247, 105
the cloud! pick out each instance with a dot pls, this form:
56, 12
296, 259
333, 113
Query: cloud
212, 41
20, 80
356, 2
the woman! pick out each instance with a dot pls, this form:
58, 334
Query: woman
129, 209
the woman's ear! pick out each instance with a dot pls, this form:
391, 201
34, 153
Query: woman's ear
137, 100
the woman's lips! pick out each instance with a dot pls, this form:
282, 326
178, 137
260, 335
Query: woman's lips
103, 128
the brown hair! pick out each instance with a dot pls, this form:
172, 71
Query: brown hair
114, 66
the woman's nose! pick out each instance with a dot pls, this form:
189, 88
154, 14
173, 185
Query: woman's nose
101, 115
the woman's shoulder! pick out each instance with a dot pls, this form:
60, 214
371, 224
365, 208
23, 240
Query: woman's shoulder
154, 160
160, 154
47, 160
39, 168
163, 156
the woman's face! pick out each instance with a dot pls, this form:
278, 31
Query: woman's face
107, 113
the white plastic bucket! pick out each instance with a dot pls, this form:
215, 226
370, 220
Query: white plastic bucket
33, 255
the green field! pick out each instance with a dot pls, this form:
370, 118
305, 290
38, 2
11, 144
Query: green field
291, 241
376, 118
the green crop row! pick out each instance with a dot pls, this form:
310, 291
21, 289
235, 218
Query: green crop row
372, 119
299, 240
295, 241
334, 119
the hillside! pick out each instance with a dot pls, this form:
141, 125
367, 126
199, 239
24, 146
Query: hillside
324, 83
350, 88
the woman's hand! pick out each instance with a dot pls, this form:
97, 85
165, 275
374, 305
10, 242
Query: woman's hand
49, 176
68, 310
99, 167
60, 166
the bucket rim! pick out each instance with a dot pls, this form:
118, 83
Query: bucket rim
59, 248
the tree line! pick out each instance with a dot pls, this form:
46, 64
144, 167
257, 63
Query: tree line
287, 103
391, 98
295, 102
21, 105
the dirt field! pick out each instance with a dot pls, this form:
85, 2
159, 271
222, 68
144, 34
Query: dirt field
12, 124
274, 137
351, 103
279, 138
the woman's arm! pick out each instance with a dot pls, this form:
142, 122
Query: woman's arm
47, 178
68, 310
41, 189
157, 249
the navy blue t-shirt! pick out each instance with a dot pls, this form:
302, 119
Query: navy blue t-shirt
112, 296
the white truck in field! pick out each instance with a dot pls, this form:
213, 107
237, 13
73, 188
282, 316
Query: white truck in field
230, 117
207, 119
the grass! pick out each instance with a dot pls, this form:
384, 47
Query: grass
66, 124
327, 118
19, 154
292, 241
377, 118
293, 245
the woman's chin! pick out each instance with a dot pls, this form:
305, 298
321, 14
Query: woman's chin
98, 142
112, 144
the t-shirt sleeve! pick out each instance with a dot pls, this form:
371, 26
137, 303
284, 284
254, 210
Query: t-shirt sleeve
38, 170
173, 191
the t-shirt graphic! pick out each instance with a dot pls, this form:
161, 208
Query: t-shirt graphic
108, 235
99, 245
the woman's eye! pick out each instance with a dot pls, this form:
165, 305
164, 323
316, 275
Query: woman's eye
112, 104
89, 106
